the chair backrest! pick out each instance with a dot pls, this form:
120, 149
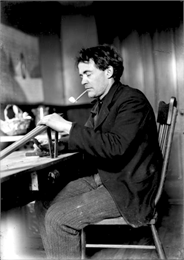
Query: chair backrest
166, 120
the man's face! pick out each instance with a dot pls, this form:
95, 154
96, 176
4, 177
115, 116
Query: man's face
93, 79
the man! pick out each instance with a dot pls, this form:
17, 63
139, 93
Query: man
122, 157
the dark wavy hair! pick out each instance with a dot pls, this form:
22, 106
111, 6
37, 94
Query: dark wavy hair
103, 57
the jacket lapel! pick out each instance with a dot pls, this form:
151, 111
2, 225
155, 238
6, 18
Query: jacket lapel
102, 116
107, 102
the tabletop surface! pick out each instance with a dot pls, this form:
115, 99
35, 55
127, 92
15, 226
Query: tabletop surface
18, 162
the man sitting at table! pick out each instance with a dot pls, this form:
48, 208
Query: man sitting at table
122, 158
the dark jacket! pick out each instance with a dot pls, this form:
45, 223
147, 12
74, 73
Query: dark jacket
124, 149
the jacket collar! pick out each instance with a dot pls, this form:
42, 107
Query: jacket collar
107, 101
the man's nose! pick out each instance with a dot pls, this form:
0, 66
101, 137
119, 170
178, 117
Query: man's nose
84, 80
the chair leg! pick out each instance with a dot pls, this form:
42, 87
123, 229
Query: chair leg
158, 245
83, 244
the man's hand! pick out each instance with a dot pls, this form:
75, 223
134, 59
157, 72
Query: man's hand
57, 123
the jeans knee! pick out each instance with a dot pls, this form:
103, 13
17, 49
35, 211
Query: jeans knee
50, 218
57, 221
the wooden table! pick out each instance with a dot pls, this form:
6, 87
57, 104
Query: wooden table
18, 163
23, 176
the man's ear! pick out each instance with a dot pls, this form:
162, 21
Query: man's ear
109, 72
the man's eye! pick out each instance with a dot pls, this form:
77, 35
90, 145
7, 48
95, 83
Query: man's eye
88, 74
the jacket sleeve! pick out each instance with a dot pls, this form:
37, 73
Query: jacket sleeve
123, 131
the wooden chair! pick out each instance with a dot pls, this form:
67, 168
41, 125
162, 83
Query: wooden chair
166, 120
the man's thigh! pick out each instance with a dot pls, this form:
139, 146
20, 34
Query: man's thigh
72, 189
76, 187
85, 208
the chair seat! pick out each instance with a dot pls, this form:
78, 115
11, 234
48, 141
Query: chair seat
118, 221
112, 221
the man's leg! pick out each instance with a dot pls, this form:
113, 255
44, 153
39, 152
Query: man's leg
80, 203
72, 189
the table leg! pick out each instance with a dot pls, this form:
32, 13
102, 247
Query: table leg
50, 141
56, 145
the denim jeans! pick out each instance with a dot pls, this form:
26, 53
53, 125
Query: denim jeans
79, 203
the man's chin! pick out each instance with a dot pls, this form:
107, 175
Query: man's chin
91, 95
